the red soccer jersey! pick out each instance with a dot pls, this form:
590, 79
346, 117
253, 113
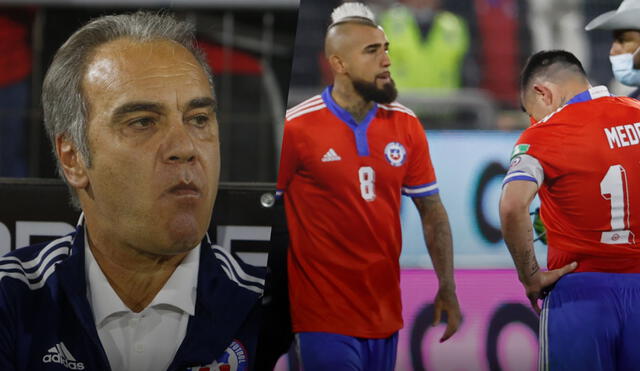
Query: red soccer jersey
342, 183
590, 154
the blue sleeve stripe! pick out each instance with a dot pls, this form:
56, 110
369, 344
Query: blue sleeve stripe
519, 173
420, 186
411, 191
279, 193
422, 194
519, 177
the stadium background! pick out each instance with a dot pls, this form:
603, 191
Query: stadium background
471, 129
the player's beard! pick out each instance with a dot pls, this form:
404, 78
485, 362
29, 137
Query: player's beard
369, 91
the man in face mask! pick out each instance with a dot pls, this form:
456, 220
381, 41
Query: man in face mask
625, 49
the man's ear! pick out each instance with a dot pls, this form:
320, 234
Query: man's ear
73, 165
337, 64
544, 93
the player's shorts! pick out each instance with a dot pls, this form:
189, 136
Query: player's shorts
322, 351
591, 321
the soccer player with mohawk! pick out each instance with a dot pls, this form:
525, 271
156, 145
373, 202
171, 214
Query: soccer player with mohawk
347, 156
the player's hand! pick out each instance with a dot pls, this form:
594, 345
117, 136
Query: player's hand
537, 285
447, 301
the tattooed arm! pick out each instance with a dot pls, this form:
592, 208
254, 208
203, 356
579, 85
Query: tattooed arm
517, 231
437, 235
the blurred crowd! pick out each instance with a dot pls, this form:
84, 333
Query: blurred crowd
457, 63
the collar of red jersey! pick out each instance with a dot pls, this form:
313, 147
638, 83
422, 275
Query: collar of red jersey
587, 95
592, 93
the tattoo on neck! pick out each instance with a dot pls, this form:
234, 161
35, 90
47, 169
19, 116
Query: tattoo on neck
563, 100
358, 112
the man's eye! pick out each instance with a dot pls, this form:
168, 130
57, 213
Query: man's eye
142, 123
200, 120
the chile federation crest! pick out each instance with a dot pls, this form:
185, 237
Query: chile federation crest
395, 153
233, 359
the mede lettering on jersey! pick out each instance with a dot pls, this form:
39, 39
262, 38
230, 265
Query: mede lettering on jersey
623, 135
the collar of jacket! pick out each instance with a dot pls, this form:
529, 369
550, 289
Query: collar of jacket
221, 305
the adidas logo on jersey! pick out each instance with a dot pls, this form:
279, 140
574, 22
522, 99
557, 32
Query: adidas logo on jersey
61, 355
331, 155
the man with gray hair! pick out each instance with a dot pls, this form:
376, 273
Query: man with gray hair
129, 108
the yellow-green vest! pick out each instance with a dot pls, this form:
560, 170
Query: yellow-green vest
436, 61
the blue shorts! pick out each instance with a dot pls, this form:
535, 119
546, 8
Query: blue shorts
591, 321
321, 351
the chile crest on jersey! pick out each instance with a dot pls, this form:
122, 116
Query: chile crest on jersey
395, 153
233, 359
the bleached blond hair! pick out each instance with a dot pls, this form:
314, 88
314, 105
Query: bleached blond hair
353, 12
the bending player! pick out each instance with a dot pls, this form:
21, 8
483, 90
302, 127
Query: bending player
582, 157
347, 156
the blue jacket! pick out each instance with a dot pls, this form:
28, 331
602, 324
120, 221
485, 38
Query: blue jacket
46, 322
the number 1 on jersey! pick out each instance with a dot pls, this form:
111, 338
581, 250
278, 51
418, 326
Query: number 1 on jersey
613, 187
367, 183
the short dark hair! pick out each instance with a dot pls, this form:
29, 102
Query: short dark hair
541, 61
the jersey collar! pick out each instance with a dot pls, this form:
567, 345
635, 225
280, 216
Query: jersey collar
220, 308
592, 93
359, 129
343, 114
587, 95
179, 291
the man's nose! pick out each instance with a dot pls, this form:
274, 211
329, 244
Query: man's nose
386, 60
179, 144
616, 48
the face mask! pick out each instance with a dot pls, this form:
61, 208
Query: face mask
622, 66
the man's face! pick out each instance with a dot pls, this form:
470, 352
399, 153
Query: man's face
626, 41
367, 64
153, 138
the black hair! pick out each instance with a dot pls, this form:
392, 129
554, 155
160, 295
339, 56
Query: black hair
540, 62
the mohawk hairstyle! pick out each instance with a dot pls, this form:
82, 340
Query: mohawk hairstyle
352, 12
541, 62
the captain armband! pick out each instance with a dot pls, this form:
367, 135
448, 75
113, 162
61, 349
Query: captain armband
524, 167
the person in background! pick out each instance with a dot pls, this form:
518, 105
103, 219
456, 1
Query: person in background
557, 24
429, 45
15, 71
624, 54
